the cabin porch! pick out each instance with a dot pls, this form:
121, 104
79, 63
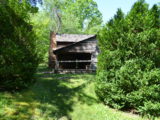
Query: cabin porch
74, 63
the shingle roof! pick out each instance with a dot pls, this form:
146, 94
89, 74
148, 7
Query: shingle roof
72, 37
81, 40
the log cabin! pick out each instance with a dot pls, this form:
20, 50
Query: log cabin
73, 53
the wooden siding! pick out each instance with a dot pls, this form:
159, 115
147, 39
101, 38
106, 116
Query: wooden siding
88, 46
80, 48
63, 44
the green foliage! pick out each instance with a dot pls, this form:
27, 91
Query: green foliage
76, 16
18, 54
86, 11
34, 2
128, 74
42, 32
65, 16
54, 97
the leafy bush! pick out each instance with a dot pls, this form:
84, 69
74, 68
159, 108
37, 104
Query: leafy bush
18, 55
128, 75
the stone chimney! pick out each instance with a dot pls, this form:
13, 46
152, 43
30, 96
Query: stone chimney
52, 47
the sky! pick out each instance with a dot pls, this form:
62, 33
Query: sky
109, 7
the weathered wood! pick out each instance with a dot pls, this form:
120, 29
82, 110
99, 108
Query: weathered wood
78, 57
85, 47
52, 57
75, 71
70, 61
63, 44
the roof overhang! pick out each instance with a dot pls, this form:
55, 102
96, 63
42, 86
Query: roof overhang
73, 44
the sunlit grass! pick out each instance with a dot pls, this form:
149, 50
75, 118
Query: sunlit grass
57, 97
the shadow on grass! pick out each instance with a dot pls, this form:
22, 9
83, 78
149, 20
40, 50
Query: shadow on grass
51, 97
56, 93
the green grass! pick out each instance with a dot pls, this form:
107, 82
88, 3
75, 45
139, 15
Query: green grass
58, 97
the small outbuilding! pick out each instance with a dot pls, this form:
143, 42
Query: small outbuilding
73, 53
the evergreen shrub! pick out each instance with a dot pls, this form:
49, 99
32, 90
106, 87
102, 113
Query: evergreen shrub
128, 75
18, 54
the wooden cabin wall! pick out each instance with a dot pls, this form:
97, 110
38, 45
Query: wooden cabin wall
63, 44
94, 58
89, 46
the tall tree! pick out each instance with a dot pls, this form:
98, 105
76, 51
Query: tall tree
83, 13
86, 11
18, 52
128, 74
66, 16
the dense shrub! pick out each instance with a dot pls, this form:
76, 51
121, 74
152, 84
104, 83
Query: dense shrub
128, 75
18, 57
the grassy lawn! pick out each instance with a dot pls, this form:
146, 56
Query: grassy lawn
58, 97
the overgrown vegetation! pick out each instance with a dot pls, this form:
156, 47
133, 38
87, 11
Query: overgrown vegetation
128, 74
61, 15
65, 17
18, 55
56, 97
